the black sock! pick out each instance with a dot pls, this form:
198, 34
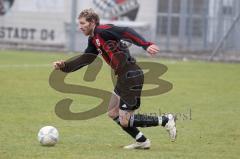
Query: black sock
140, 120
132, 131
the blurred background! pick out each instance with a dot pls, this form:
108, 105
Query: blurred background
202, 29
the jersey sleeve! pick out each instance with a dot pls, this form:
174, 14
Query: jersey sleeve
80, 61
91, 48
128, 34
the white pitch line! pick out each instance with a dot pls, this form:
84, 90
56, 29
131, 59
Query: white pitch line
25, 66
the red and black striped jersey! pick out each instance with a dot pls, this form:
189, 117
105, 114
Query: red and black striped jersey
108, 40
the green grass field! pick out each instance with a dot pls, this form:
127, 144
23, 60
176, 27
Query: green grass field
210, 90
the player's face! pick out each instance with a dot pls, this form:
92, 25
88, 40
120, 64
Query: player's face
85, 26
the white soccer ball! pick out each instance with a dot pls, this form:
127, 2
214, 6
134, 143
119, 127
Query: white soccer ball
48, 136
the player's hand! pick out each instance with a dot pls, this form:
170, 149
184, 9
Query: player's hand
153, 49
58, 64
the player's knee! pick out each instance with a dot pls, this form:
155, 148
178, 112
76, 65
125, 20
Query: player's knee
112, 113
124, 123
124, 117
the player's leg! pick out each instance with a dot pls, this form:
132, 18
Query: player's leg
113, 112
113, 108
131, 87
129, 119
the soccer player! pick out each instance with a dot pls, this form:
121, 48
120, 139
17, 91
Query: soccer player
107, 41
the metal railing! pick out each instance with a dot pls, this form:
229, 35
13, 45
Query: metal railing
199, 25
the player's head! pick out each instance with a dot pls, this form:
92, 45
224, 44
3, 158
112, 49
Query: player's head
87, 21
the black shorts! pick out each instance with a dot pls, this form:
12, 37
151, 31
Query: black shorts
129, 87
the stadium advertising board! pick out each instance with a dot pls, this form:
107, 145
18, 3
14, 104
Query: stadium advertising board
48, 24
32, 22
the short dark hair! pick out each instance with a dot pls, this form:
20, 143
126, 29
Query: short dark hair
90, 16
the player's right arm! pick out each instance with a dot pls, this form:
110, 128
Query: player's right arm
78, 62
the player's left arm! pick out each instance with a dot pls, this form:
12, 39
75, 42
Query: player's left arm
153, 49
132, 36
